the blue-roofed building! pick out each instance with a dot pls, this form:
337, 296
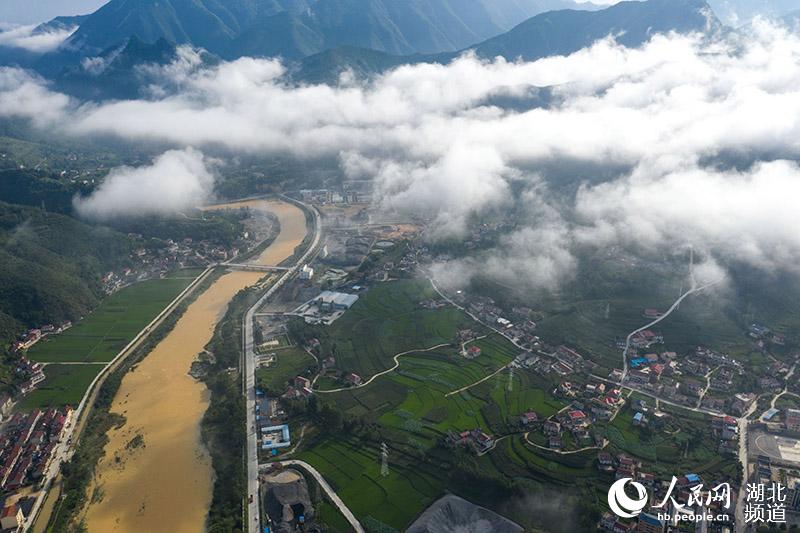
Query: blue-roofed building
649, 523
275, 437
638, 361
693, 478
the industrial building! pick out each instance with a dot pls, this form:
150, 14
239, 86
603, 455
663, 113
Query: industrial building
329, 301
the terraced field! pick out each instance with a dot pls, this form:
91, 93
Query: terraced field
353, 469
414, 414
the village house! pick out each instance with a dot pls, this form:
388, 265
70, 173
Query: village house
301, 382
692, 388
472, 352
11, 518
741, 403
475, 439
561, 368
353, 379
605, 462
526, 419
551, 427
27, 444
639, 377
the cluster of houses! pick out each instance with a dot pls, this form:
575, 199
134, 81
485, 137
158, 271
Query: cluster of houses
763, 336
487, 231
34, 335
682, 489
411, 260
27, 446
599, 399
768, 473
568, 361
14, 513
726, 429
404, 268
29, 373
588, 404
474, 439
574, 421
623, 466
561, 361
521, 330
645, 339
687, 380
298, 389
148, 262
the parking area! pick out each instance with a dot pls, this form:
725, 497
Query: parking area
780, 449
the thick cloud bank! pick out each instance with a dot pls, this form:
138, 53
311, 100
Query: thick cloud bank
683, 141
177, 179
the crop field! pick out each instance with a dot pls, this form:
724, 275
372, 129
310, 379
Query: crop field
414, 414
423, 379
353, 470
63, 385
388, 320
103, 333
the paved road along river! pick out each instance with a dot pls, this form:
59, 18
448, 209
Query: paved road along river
163, 481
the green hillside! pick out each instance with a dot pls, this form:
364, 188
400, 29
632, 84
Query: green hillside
51, 265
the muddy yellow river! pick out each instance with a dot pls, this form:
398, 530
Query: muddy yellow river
156, 474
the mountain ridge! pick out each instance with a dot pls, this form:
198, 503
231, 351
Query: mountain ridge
552, 33
297, 28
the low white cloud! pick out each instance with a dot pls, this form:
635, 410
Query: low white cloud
651, 134
176, 180
34, 41
748, 215
466, 181
25, 95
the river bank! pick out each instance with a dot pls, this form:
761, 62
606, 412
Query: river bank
156, 474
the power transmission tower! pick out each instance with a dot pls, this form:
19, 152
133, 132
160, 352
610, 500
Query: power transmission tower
384, 460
